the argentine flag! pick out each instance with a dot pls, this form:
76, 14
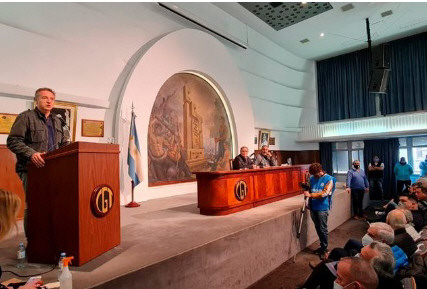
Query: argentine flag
134, 155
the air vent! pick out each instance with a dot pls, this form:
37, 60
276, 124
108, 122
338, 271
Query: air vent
386, 13
280, 15
347, 7
275, 4
304, 41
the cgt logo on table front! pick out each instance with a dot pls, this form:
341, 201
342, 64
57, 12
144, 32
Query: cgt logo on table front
240, 190
102, 200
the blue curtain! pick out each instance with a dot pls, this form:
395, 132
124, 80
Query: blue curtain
326, 157
342, 84
388, 151
407, 90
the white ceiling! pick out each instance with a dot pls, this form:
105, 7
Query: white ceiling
344, 31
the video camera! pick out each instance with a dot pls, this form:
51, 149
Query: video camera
304, 186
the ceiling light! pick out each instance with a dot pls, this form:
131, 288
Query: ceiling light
347, 7
322, 34
386, 13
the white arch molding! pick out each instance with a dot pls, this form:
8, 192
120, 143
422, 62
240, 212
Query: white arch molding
183, 51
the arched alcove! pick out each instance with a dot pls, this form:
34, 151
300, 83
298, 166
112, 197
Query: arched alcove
189, 130
183, 51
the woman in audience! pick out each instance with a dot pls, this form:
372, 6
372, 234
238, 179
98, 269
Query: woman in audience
9, 208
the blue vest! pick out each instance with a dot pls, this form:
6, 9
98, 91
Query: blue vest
317, 185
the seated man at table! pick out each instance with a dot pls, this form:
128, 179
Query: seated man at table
243, 161
265, 158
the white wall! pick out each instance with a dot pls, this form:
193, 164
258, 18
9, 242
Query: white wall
89, 53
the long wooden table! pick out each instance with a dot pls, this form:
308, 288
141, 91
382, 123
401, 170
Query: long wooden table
226, 192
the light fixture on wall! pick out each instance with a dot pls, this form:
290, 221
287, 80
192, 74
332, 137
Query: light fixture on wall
180, 12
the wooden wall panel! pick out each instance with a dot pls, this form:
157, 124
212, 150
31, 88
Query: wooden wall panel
9, 180
298, 157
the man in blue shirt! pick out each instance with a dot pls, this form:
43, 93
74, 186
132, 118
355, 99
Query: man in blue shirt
357, 185
423, 168
322, 187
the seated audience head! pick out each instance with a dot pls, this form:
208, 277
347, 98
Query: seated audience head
353, 272
408, 215
244, 151
9, 207
408, 202
380, 232
420, 189
396, 219
381, 258
315, 170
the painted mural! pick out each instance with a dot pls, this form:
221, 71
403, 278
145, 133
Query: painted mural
188, 131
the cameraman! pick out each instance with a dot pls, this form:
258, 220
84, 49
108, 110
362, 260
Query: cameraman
319, 197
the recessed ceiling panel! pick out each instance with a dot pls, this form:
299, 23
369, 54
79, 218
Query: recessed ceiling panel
280, 15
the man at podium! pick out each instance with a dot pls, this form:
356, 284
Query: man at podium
34, 133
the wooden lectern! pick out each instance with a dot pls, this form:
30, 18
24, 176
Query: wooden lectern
74, 203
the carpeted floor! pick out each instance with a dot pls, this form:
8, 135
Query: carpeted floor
292, 274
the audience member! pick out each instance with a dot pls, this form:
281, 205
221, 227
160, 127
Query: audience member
403, 172
10, 204
9, 208
376, 175
420, 191
357, 184
378, 255
397, 220
377, 232
381, 257
419, 216
353, 272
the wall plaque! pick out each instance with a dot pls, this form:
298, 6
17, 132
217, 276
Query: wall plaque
6, 122
92, 128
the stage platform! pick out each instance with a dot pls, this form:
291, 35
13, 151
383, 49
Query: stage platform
166, 243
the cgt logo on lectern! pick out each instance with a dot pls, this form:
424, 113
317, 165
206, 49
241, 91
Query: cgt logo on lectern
102, 200
240, 190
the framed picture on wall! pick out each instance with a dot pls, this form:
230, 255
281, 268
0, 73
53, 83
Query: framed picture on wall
264, 137
68, 112
6, 122
272, 141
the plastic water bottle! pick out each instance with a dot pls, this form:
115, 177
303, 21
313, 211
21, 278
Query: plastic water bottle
20, 255
61, 263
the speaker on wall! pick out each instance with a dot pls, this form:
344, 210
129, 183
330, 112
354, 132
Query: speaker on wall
379, 80
381, 56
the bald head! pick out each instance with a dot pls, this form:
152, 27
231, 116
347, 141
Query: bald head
396, 219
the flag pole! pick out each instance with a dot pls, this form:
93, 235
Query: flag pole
132, 204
